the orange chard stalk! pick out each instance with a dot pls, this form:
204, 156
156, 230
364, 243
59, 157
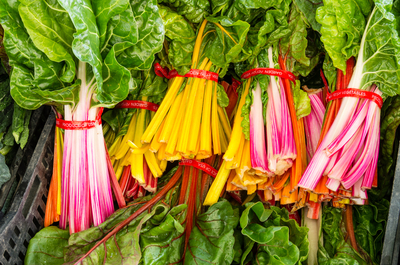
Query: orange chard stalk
298, 128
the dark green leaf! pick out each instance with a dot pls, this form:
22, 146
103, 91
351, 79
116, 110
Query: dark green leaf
194, 10
47, 246
212, 240
182, 39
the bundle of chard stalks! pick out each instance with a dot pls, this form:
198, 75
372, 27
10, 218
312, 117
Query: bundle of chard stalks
238, 132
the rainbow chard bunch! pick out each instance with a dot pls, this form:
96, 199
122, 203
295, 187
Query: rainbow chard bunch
348, 153
78, 56
268, 130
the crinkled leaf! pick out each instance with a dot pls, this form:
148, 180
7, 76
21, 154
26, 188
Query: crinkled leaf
162, 244
47, 246
124, 247
225, 45
295, 44
309, 8
194, 10
153, 87
86, 41
297, 234
255, 219
281, 240
181, 38
35, 79
331, 228
115, 118
369, 226
219, 5
301, 101
380, 54
212, 240
342, 25
49, 35
151, 32
345, 255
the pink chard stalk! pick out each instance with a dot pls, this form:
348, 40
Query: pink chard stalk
348, 153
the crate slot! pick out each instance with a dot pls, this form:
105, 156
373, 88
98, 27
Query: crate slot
16, 231
35, 221
44, 199
44, 162
26, 244
31, 197
30, 232
6, 255
40, 211
12, 243
21, 256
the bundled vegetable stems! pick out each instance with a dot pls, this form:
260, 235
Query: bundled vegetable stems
190, 123
346, 159
91, 69
136, 167
270, 159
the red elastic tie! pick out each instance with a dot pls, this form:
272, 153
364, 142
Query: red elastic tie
200, 165
269, 71
79, 125
355, 93
196, 73
137, 104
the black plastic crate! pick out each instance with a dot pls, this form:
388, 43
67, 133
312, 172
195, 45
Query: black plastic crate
22, 158
26, 214
391, 244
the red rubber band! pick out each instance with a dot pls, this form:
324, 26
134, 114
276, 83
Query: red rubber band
79, 125
269, 71
137, 104
200, 165
355, 93
196, 73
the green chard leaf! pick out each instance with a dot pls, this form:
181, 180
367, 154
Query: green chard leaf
309, 8
342, 25
194, 10
212, 240
47, 246
280, 239
334, 249
181, 40
369, 226
378, 61
301, 101
55, 47
124, 247
227, 41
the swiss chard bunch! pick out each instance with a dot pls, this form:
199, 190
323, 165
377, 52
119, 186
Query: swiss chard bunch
79, 57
